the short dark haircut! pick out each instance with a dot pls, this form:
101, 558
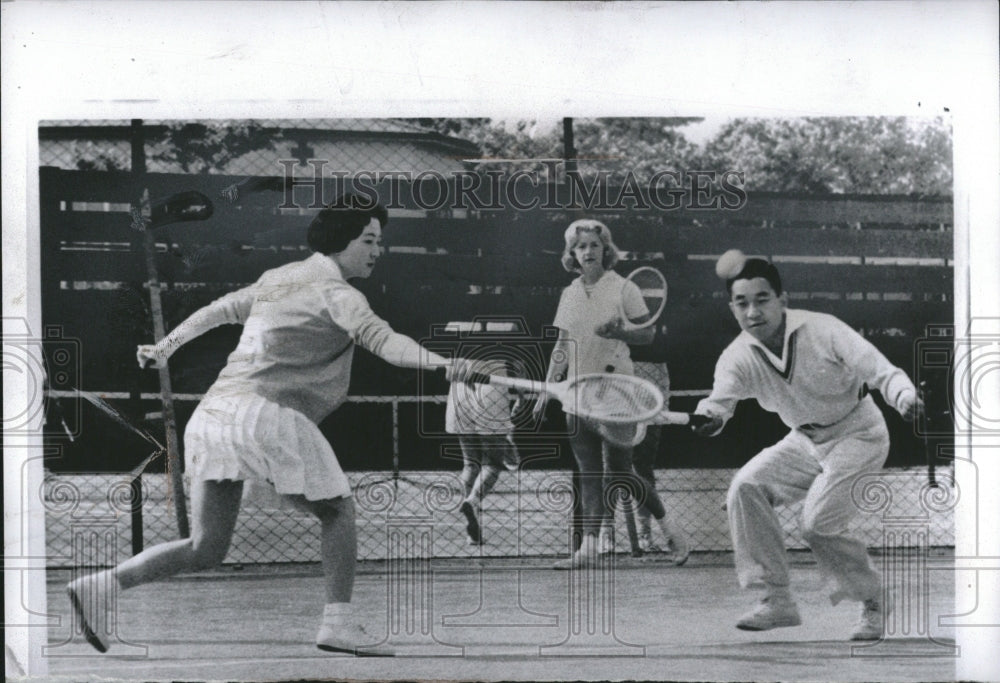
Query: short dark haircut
757, 267
342, 221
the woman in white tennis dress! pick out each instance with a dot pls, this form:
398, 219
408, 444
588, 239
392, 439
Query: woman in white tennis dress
258, 421
592, 339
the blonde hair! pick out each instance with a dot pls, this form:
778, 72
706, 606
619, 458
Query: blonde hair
572, 237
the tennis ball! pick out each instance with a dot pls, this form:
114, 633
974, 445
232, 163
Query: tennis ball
730, 264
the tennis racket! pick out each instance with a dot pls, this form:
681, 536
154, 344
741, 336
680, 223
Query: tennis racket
117, 417
177, 208
254, 184
670, 417
605, 398
628, 438
127, 424
643, 297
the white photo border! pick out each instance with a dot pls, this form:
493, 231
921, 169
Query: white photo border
121, 60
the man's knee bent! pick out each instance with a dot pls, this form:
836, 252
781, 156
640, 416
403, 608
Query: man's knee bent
746, 483
813, 529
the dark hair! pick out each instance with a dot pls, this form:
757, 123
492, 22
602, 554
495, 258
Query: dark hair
757, 267
342, 221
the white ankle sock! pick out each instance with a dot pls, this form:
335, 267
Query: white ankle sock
336, 612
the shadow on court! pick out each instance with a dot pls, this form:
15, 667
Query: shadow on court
506, 619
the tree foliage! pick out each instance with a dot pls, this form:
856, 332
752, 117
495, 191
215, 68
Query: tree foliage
91, 156
644, 146
609, 146
208, 147
852, 155
505, 145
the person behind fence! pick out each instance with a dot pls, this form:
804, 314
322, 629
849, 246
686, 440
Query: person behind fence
644, 453
814, 371
592, 339
480, 415
258, 421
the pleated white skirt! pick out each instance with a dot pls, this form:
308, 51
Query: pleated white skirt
248, 438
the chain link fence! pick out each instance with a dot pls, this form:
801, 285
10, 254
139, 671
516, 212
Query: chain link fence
253, 148
527, 515
94, 269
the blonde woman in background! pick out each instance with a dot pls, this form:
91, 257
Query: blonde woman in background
593, 338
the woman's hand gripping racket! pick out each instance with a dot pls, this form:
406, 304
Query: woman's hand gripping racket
605, 398
642, 300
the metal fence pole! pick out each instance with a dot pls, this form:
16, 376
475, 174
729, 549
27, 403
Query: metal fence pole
569, 151
137, 502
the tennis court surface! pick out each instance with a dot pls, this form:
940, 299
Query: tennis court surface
510, 619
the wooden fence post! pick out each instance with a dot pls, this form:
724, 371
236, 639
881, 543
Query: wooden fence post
141, 201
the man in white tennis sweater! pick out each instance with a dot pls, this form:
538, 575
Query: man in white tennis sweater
814, 371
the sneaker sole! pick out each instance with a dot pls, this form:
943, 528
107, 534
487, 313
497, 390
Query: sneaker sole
868, 636
783, 624
88, 633
471, 523
679, 561
357, 652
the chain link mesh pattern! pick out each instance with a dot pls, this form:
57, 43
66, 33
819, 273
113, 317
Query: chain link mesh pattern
527, 514
529, 511
240, 147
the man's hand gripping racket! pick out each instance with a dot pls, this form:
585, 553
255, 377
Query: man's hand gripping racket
701, 424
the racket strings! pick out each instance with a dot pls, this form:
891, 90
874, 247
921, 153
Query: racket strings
616, 398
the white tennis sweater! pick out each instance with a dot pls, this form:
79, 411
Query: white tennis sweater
819, 379
301, 322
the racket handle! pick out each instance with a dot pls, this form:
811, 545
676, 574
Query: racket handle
696, 420
674, 418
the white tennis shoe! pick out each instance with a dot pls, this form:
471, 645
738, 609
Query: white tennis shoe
772, 612
646, 544
678, 550
511, 457
677, 544
351, 638
871, 621
585, 555
93, 606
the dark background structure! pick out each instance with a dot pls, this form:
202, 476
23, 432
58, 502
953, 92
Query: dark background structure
880, 262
